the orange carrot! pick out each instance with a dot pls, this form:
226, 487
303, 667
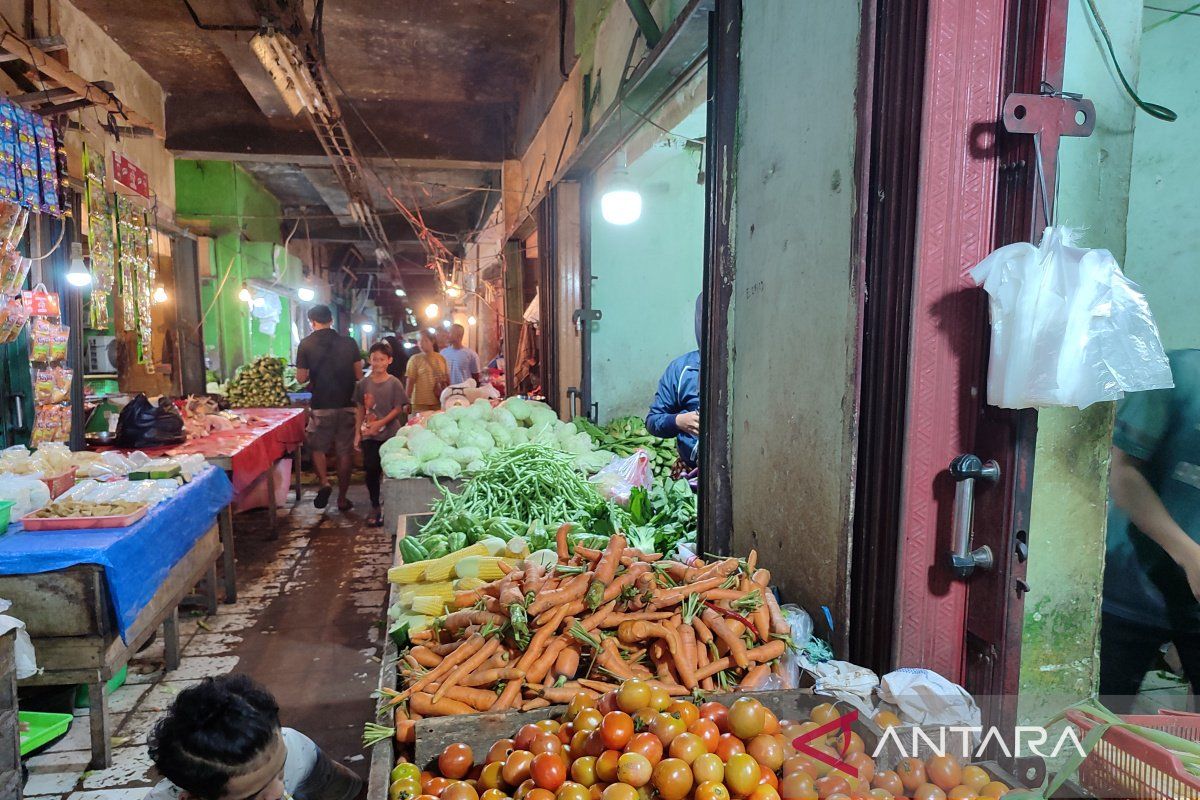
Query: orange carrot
480, 699
425, 657
567, 663
466, 599
512, 691
606, 570
464, 651
755, 677
540, 639
598, 686
722, 630
762, 654
762, 615
572, 608
406, 728
458, 620
571, 590
468, 666
701, 662
490, 677
642, 630
563, 694
778, 622
560, 539
672, 597
610, 659
424, 704
623, 580
616, 618
537, 702
541, 667
598, 618
685, 658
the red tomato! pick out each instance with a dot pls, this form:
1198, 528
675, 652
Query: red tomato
685, 710
571, 791
606, 766
455, 761
435, 786
616, 729
831, 784
525, 736
516, 767
460, 790
634, 769
608, 703
764, 792
545, 743
742, 773
712, 790
499, 751
672, 779
687, 747
716, 712
539, 794
548, 771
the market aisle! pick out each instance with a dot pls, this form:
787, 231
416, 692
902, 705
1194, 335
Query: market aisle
305, 625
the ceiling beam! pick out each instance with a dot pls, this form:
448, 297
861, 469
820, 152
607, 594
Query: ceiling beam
321, 162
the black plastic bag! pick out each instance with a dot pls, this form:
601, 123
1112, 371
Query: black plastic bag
142, 424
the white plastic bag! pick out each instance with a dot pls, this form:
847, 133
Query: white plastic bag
1068, 328
925, 698
622, 475
29, 494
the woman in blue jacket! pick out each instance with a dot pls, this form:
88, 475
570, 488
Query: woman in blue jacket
676, 408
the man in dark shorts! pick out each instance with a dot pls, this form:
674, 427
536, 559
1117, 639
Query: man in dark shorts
332, 365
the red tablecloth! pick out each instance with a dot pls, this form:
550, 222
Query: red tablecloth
251, 449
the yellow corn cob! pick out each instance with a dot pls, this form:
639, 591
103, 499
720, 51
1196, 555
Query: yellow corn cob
486, 568
467, 584
443, 589
439, 569
407, 573
430, 606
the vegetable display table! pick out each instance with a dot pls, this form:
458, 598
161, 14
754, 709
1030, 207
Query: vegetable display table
90, 599
405, 496
246, 454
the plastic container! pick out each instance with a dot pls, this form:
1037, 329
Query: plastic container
6, 507
83, 694
1123, 764
60, 483
40, 728
32, 523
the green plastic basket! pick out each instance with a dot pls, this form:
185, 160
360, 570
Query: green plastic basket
83, 694
39, 729
6, 507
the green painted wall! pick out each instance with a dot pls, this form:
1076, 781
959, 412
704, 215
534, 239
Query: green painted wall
244, 219
1164, 215
646, 278
1070, 484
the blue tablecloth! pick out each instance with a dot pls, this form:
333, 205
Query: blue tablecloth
136, 559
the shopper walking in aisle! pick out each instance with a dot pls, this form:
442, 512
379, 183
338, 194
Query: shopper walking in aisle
676, 407
331, 364
427, 375
1152, 567
222, 739
399, 356
379, 405
463, 361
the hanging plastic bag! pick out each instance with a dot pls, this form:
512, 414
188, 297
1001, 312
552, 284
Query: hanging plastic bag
622, 475
1068, 328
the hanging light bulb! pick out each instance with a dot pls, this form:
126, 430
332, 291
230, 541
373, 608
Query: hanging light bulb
244, 294
446, 324
77, 273
432, 310
471, 320
160, 294
368, 328
453, 291
621, 203
401, 293
306, 294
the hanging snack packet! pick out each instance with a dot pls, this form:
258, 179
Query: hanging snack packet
41, 338
43, 386
13, 270
58, 344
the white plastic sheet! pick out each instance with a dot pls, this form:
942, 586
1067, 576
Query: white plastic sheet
1068, 328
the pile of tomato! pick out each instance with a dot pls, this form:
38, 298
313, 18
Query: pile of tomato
638, 743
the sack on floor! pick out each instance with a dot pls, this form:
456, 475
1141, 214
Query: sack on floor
255, 495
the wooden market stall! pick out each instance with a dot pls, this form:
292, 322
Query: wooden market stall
91, 598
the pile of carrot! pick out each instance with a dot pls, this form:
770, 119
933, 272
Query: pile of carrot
540, 636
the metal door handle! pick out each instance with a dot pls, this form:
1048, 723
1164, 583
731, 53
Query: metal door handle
966, 470
18, 411
574, 398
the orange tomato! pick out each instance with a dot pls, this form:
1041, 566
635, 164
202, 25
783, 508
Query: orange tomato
634, 769
620, 791
539, 793
490, 777
684, 710
712, 790
455, 761
975, 777
886, 719
632, 695
607, 703
659, 699
571, 791
516, 767
648, 745
566, 732
796, 786
767, 750
771, 723
667, 727
687, 747
864, 764
943, 772
583, 771
708, 732
831, 784
961, 792
747, 717
491, 794
929, 791
548, 771
912, 773
768, 778
435, 786
578, 703
764, 792
546, 743
588, 720
460, 790
606, 766
616, 729
729, 745
742, 773
889, 781
525, 736
708, 768
499, 751
993, 789
672, 779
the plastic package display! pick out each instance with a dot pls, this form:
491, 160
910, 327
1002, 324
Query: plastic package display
28, 493
622, 475
1068, 328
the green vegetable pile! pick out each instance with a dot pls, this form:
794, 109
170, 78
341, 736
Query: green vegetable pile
456, 442
625, 435
525, 492
258, 384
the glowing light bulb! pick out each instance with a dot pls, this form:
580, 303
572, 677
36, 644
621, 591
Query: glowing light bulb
432, 310
306, 294
472, 320
245, 296
621, 203
160, 294
368, 327
446, 324
78, 274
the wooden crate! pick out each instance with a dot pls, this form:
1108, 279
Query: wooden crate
404, 497
10, 732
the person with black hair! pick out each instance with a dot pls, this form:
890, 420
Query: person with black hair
379, 403
221, 740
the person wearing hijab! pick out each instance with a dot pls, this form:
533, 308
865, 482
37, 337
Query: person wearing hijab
676, 407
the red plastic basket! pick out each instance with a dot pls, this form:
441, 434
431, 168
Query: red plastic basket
1124, 765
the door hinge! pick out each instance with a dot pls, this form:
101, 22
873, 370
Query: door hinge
1060, 113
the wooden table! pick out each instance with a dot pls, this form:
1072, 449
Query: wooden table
70, 617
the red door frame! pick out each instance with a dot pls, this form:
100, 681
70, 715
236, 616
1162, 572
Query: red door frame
975, 193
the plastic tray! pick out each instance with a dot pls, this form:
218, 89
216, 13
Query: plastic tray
6, 507
1125, 765
43, 728
31, 523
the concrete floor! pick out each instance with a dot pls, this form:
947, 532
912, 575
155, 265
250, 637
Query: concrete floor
306, 625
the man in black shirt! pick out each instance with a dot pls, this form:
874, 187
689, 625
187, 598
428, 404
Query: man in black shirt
332, 365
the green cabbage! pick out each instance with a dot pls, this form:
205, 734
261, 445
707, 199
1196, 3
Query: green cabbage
465, 455
442, 468
502, 416
477, 438
400, 465
518, 407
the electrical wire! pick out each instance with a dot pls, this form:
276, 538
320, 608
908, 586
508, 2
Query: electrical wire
1153, 109
1175, 14
62, 231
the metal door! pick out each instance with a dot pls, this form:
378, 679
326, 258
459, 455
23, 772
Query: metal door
976, 193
